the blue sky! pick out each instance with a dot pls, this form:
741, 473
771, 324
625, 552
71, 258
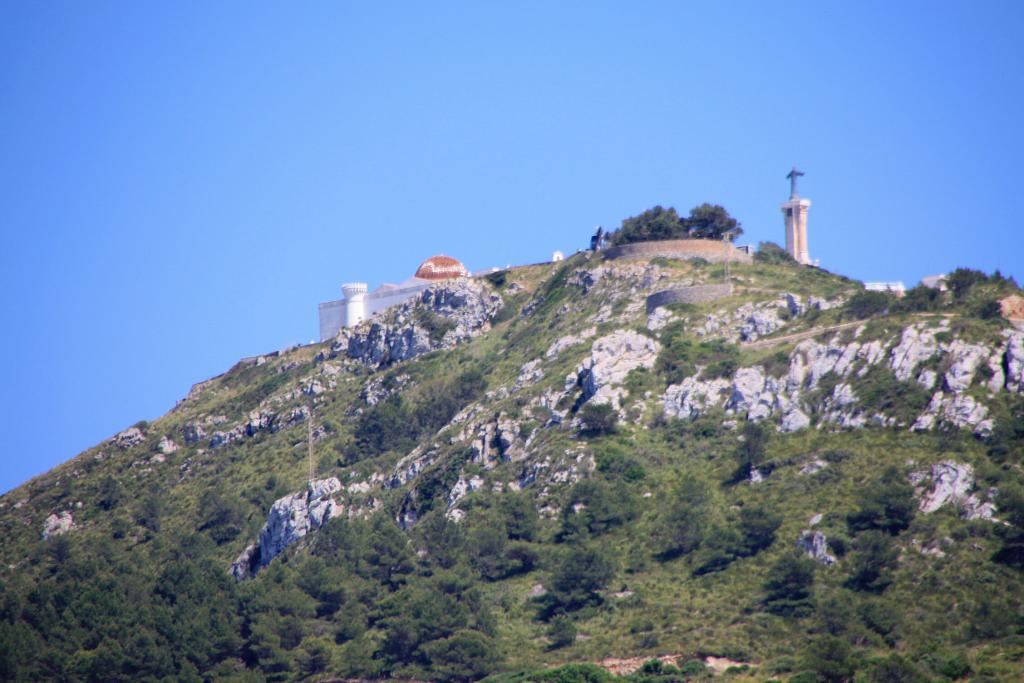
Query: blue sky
181, 183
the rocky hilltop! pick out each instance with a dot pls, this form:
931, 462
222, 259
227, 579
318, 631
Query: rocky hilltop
588, 461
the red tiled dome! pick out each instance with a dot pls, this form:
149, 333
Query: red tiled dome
441, 268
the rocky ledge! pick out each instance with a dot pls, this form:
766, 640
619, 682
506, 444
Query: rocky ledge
290, 518
440, 318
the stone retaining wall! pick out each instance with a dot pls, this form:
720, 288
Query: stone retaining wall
710, 250
688, 295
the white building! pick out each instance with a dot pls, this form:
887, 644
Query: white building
358, 303
897, 288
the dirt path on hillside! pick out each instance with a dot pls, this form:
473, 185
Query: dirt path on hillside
798, 336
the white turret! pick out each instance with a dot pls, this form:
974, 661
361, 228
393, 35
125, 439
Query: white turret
355, 303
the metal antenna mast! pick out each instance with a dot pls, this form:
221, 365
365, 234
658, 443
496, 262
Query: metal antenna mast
309, 424
728, 255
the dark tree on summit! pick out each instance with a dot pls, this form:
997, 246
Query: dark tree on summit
653, 224
707, 221
712, 222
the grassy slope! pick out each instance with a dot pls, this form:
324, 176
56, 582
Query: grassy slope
942, 600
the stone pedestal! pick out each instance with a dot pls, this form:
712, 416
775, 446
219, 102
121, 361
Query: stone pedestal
795, 213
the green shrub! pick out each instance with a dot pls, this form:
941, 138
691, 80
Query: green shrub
1011, 506
111, 493
805, 677
615, 464
694, 667
831, 658
574, 673
867, 304
575, 581
772, 254
679, 358
880, 391
680, 526
886, 504
594, 507
386, 426
498, 279
707, 221
962, 280
788, 586
988, 309
466, 655
223, 517
919, 299
437, 326
953, 664
872, 562
750, 452
598, 419
561, 632
892, 669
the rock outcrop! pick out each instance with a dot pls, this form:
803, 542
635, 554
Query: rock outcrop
568, 341
529, 374
814, 544
753, 394
290, 518
612, 357
167, 446
130, 437
692, 397
442, 317
1013, 361
951, 484
57, 524
917, 344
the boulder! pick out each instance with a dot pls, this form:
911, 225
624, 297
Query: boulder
794, 420
529, 374
659, 318
167, 446
132, 436
760, 322
462, 488
951, 485
693, 397
794, 304
927, 378
57, 524
752, 395
586, 279
814, 544
193, 432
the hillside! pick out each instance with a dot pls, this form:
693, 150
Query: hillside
788, 478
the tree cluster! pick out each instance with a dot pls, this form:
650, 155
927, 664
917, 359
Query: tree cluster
707, 221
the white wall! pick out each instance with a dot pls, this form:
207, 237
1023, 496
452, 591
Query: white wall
332, 313
379, 300
331, 316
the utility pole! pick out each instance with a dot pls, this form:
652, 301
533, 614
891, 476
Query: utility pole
728, 254
309, 423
